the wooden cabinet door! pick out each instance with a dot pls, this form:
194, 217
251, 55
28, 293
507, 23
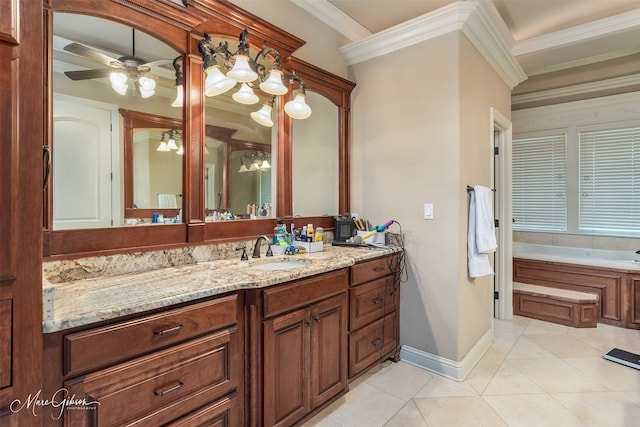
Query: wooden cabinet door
328, 349
286, 367
21, 176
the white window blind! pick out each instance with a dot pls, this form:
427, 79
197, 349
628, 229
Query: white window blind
539, 200
610, 182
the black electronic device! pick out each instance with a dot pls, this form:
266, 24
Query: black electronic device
344, 228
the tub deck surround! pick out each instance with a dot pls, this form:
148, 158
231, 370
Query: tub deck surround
81, 302
613, 276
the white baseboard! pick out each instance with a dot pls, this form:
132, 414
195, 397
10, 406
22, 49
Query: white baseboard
448, 368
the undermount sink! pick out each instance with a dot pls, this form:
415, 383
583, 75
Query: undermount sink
280, 265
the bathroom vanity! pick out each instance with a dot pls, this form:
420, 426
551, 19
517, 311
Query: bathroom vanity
221, 342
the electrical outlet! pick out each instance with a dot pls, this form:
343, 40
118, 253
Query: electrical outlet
428, 211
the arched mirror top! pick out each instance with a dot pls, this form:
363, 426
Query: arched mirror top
173, 33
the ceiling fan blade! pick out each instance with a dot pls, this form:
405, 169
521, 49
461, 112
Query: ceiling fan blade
158, 63
88, 74
82, 50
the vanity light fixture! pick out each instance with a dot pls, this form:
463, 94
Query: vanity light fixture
256, 160
177, 65
240, 67
172, 135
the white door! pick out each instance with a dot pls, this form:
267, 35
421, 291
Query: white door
81, 165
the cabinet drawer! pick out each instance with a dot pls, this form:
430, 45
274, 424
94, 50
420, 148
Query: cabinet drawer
219, 414
371, 301
303, 292
369, 270
143, 388
372, 343
99, 347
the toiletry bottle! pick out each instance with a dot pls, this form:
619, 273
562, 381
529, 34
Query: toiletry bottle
310, 232
278, 231
303, 234
318, 236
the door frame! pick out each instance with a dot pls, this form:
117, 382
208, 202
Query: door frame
504, 255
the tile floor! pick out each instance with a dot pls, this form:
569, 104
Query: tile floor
536, 374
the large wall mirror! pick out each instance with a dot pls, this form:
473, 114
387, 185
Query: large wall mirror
99, 68
128, 144
316, 159
240, 161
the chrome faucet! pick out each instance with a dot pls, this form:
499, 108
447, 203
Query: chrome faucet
256, 248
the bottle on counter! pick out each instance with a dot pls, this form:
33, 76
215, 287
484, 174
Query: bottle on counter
318, 236
278, 232
310, 232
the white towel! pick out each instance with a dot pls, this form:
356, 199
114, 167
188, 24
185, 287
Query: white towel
479, 264
167, 201
485, 224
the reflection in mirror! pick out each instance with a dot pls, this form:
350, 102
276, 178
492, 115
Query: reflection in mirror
234, 139
157, 168
315, 160
100, 66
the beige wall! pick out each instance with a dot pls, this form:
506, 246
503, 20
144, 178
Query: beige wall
423, 142
481, 89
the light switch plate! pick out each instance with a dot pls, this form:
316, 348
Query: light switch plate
428, 211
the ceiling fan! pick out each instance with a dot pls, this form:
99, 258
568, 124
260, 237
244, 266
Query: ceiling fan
120, 70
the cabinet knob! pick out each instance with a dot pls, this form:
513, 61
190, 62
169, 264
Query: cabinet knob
378, 342
377, 301
317, 319
175, 387
308, 322
168, 331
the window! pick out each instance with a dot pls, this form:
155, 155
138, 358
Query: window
610, 182
539, 200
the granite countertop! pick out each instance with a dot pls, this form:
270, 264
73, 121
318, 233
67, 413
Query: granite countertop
82, 302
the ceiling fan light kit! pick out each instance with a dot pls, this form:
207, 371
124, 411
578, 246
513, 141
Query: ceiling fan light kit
123, 72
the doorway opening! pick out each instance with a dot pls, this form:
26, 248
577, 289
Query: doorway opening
501, 136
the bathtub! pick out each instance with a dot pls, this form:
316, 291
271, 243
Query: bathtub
613, 275
625, 260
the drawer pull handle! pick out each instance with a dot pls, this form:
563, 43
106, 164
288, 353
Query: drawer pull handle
378, 342
168, 390
377, 301
168, 331
378, 269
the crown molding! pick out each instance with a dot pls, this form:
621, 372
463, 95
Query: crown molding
333, 17
478, 20
579, 89
581, 33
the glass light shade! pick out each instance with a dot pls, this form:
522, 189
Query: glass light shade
180, 151
120, 89
298, 108
254, 167
241, 71
216, 83
243, 168
273, 85
163, 147
263, 116
265, 165
245, 95
171, 144
118, 79
147, 86
178, 102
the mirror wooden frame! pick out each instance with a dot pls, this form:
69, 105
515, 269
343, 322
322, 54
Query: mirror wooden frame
133, 120
182, 28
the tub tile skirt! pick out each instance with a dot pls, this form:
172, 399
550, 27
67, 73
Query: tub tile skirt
565, 307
